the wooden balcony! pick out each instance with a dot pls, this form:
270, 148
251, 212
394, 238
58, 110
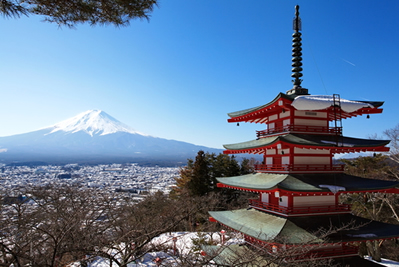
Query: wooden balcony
300, 129
299, 168
292, 211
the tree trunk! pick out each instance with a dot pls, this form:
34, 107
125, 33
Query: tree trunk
373, 250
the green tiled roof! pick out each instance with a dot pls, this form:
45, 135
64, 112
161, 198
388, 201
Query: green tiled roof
263, 226
356, 228
236, 255
308, 140
268, 181
306, 182
253, 143
299, 230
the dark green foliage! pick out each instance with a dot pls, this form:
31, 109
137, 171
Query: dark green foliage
200, 182
72, 12
198, 178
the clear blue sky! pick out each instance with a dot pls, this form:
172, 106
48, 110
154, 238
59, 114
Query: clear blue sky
178, 75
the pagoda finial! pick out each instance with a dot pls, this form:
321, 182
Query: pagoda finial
296, 50
297, 55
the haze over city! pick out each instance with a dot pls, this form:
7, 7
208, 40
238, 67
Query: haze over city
178, 74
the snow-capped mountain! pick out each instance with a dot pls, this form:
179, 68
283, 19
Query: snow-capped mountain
93, 122
93, 136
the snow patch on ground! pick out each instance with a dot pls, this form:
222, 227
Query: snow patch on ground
385, 262
184, 246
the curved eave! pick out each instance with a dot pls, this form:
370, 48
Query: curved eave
345, 144
359, 112
306, 183
257, 114
262, 182
263, 226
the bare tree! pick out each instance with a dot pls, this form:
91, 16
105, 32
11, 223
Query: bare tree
393, 135
132, 226
50, 226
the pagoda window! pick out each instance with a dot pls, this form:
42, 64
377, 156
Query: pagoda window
285, 160
271, 152
264, 197
271, 125
269, 160
284, 201
286, 122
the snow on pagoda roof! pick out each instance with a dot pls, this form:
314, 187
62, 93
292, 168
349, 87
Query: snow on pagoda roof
310, 102
319, 102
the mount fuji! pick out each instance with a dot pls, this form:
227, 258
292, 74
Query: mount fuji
94, 137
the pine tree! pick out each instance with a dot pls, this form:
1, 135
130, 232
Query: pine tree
200, 182
198, 178
72, 12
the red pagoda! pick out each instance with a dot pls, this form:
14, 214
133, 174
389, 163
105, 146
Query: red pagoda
298, 182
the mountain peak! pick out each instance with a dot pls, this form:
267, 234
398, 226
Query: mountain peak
93, 122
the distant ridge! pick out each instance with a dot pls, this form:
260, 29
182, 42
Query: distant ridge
92, 137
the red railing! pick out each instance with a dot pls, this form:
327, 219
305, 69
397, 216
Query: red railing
299, 168
256, 203
302, 129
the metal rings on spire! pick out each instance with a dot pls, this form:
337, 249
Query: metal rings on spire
297, 50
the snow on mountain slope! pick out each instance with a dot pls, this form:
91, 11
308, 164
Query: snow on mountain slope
93, 136
92, 122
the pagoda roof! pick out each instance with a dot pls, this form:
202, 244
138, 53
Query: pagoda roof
350, 108
250, 110
263, 226
306, 182
239, 254
345, 144
299, 230
236, 255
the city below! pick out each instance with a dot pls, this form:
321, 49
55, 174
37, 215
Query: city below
130, 179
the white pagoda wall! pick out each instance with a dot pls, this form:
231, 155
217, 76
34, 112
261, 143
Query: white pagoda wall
303, 201
320, 156
310, 122
311, 118
310, 114
311, 160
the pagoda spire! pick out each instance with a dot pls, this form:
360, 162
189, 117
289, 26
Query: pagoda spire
297, 56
